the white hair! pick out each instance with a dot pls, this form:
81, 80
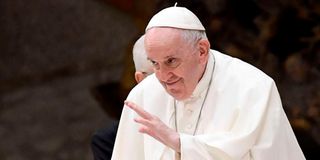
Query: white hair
192, 37
140, 60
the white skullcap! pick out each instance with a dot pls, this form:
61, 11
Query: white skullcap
176, 17
140, 60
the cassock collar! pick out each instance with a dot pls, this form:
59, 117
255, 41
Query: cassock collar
204, 82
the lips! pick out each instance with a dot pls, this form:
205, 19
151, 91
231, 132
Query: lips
172, 83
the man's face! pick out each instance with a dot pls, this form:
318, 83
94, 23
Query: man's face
178, 65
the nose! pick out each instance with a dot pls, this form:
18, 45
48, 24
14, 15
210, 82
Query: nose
163, 73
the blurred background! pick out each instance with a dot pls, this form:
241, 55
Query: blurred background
66, 65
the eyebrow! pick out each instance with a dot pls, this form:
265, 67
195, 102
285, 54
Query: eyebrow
166, 57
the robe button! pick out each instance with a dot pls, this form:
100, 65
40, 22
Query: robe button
190, 111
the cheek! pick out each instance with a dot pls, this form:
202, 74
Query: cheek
192, 74
189, 71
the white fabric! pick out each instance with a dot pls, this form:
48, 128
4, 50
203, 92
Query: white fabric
242, 118
176, 17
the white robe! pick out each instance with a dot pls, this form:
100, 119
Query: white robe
242, 118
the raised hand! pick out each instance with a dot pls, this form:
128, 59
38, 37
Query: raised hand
155, 128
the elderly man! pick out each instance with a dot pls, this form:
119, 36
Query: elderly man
103, 140
200, 103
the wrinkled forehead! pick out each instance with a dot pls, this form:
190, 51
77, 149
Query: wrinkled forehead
162, 35
163, 43
162, 38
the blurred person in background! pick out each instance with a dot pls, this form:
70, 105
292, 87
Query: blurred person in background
103, 140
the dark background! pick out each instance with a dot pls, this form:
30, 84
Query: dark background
65, 65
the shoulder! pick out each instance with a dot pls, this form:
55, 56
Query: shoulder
236, 67
237, 72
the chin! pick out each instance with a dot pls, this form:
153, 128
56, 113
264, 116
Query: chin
179, 99
177, 95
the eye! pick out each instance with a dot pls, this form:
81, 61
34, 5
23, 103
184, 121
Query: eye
172, 62
154, 64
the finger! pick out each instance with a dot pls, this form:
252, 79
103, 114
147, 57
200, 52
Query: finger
143, 121
144, 129
148, 131
138, 110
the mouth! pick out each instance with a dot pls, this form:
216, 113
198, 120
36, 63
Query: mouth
172, 83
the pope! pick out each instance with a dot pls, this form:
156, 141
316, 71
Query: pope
200, 103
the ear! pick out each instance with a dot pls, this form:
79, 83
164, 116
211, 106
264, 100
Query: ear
139, 76
204, 47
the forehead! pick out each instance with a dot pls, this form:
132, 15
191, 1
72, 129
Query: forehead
164, 43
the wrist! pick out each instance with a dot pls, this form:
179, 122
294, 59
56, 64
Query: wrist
176, 142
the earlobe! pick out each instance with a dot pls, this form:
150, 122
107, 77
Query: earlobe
139, 76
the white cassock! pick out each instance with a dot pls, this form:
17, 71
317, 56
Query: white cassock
242, 118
